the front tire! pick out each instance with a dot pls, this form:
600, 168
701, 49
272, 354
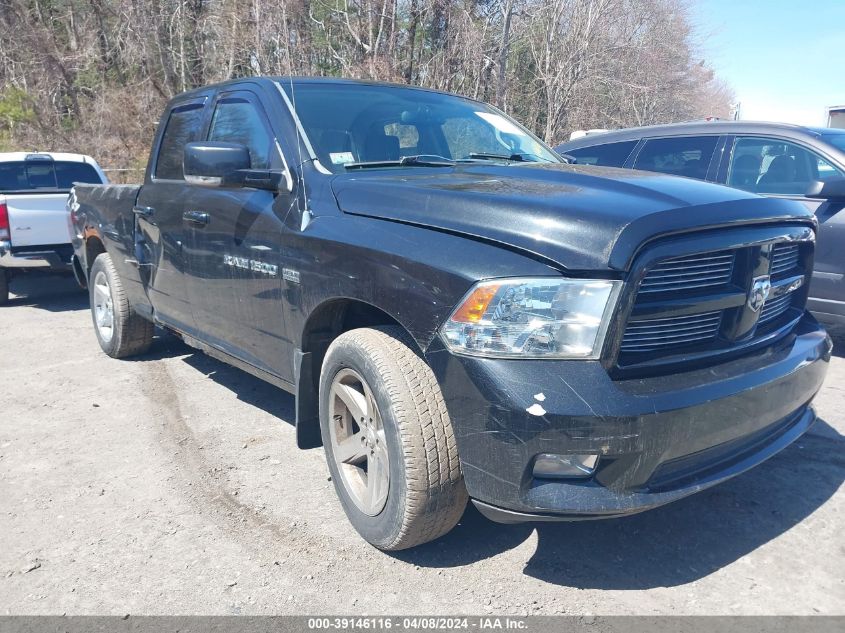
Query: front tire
120, 331
388, 439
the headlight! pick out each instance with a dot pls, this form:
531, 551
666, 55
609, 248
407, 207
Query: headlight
533, 318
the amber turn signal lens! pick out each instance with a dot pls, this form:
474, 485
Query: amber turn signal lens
473, 308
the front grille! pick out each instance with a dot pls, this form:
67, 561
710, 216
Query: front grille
686, 273
785, 258
703, 303
773, 308
653, 334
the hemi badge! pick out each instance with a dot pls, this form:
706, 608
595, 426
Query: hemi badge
290, 275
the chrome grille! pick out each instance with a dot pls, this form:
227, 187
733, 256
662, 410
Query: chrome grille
697, 305
785, 258
773, 308
654, 334
690, 271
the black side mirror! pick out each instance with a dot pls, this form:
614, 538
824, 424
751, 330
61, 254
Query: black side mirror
833, 189
210, 164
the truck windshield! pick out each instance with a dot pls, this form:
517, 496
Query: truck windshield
354, 124
31, 175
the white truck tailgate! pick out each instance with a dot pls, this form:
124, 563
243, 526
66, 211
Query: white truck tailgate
37, 219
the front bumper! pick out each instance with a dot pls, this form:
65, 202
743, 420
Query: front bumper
659, 438
36, 258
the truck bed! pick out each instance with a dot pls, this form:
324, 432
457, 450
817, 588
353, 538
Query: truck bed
109, 206
108, 210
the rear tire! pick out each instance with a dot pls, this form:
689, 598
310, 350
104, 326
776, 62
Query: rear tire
373, 374
4, 286
120, 331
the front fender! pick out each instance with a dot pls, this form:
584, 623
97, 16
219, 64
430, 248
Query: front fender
414, 275
411, 275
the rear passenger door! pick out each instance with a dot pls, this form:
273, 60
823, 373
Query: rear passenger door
160, 232
689, 156
234, 238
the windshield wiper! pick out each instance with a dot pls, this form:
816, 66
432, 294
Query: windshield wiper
519, 157
420, 160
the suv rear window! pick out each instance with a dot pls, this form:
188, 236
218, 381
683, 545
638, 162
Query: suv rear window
680, 156
608, 155
45, 174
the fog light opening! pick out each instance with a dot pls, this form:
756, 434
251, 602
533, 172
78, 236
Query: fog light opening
549, 466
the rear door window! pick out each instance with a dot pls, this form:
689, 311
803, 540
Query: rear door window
45, 174
181, 128
680, 156
608, 155
776, 167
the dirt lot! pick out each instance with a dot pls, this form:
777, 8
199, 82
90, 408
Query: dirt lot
171, 485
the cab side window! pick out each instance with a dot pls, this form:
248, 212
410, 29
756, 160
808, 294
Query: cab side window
680, 156
773, 166
236, 120
182, 127
609, 154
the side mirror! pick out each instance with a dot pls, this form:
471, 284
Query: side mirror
833, 189
209, 163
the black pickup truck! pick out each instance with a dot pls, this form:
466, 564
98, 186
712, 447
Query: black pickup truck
458, 312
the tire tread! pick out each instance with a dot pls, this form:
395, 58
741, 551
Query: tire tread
133, 333
435, 496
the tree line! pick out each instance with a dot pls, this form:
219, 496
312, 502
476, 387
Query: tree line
93, 75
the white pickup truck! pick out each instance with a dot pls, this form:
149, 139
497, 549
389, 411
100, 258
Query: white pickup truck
34, 222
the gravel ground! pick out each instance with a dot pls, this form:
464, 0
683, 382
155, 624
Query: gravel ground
171, 484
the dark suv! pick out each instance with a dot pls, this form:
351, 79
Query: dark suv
770, 159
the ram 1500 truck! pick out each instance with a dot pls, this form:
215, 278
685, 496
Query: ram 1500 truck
34, 226
458, 312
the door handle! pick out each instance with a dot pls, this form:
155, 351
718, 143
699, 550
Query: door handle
196, 217
143, 212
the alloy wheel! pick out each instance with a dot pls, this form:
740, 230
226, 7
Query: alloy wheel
359, 445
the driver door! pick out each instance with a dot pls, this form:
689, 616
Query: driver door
233, 246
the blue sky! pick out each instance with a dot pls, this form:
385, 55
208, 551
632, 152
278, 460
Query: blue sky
784, 59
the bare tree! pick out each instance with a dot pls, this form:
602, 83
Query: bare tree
84, 74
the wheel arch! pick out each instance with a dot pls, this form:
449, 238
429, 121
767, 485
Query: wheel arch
94, 247
324, 324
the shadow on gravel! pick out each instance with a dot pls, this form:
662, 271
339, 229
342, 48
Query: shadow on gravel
248, 388
669, 546
55, 293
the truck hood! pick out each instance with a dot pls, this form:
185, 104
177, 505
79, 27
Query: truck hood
580, 217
